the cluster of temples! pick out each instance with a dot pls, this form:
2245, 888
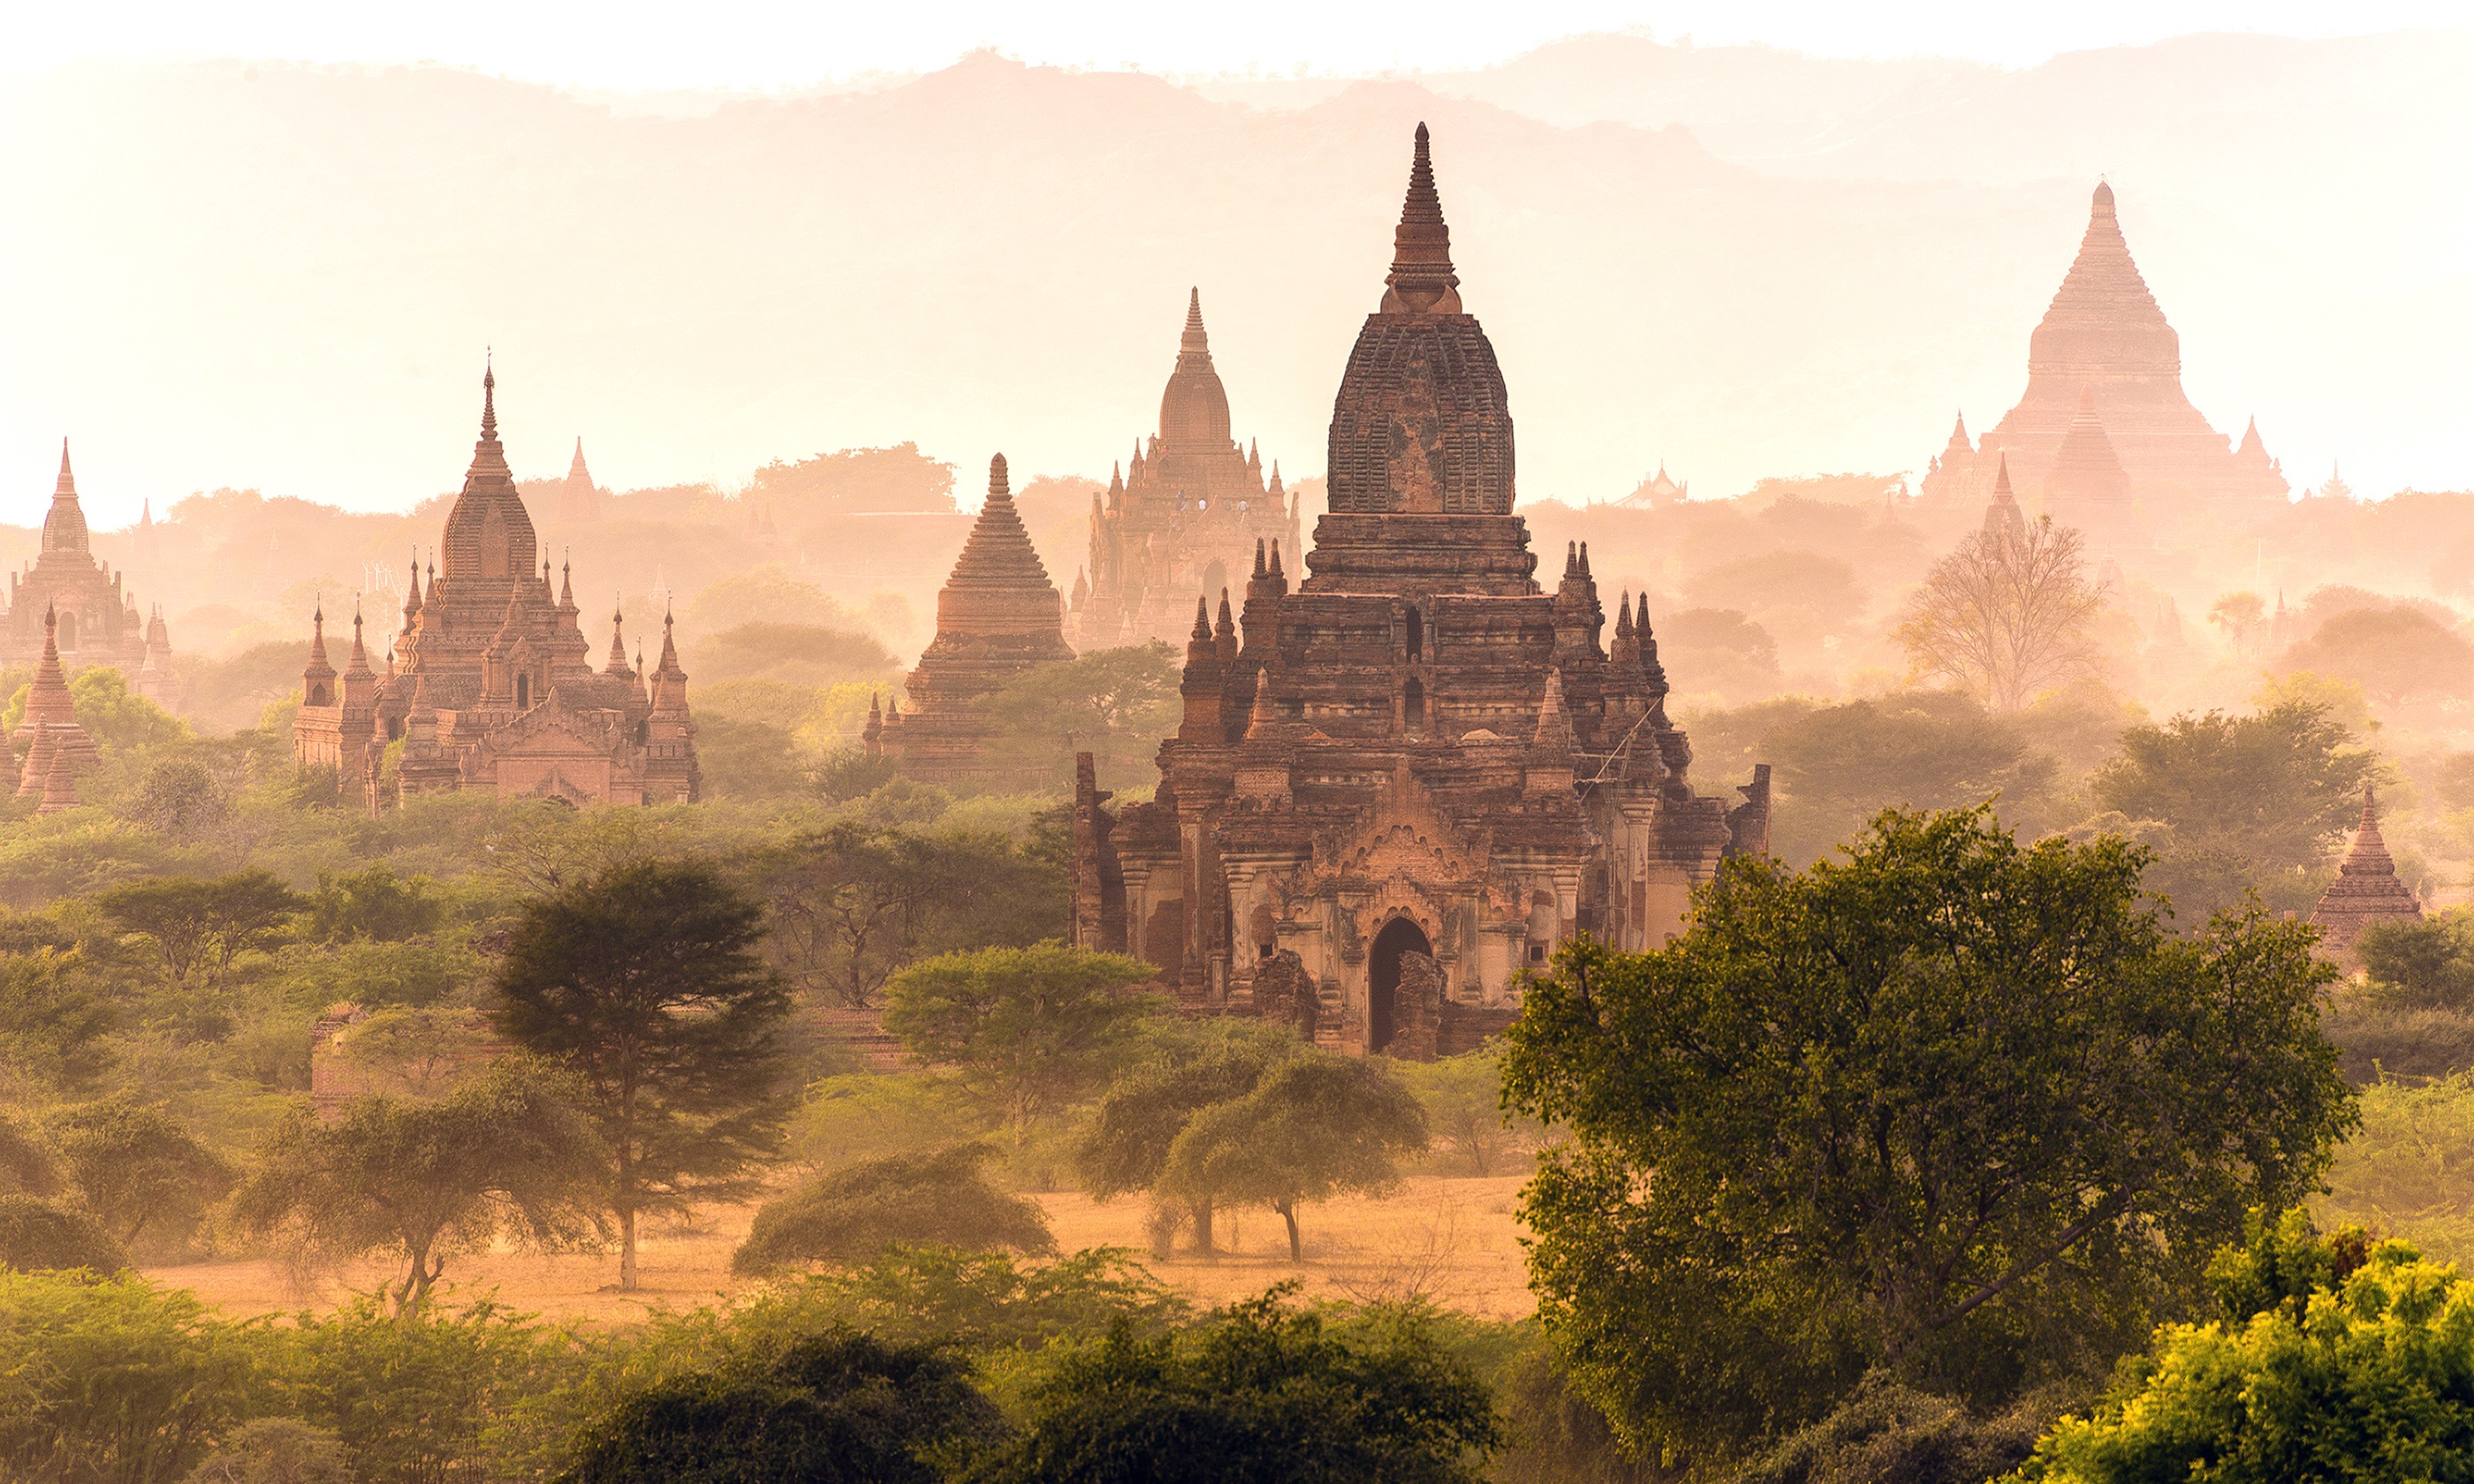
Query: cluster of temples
489, 683
2104, 437
1404, 780
68, 605
1184, 518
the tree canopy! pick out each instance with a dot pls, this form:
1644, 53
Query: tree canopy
1124, 1148
1114, 704
1026, 1030
643, 984
2005, 616
1311, 1129
940, 1196
1952, 1106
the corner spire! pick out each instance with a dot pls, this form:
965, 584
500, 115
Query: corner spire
1421, 281
490, 400
1195, 342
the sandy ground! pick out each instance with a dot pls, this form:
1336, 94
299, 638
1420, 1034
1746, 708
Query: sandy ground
1453, 1240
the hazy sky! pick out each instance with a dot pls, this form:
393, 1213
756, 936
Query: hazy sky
631, 44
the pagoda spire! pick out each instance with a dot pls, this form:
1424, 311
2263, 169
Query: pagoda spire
1421, 281
616, 663
490, 401
64, 523
2004, 519
1194, 342
2367, 889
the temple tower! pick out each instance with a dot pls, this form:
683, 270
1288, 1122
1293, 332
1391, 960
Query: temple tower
997, 617
579, 498
2366, 890
69, 601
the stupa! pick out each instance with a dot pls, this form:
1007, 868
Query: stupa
997, 617
2106, 359
579, 498
2366, 890
490, 683
67, 601
1184, 519
1418, 770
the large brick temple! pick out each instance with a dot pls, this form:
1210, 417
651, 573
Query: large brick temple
69, 604
490, 683
2105, 438
1185, 518
1401, 783
997, 617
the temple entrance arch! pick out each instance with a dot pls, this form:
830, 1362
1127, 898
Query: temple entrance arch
1383, 977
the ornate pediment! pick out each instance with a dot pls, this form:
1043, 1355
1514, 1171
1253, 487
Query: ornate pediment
556, 728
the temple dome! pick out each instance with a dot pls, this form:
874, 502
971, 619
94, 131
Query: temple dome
1421, 424
1194, 409
2104, 322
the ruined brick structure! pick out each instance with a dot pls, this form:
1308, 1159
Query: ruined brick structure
490, 683
1184, 519
1418, 770
69, 601
2366, 890
997, 617
2105, 438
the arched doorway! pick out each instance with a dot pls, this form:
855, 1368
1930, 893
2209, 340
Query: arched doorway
1215, 580
1383, 977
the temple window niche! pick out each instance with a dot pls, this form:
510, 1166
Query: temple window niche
1416, 647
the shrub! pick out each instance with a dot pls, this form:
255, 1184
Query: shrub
940, 1197
36, 1235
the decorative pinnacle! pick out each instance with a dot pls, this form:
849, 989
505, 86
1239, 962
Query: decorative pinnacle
1421, 279
67, 484
1203, 618
1194, 339
998, 489
489, 397
2002, 478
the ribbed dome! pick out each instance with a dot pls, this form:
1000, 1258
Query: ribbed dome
488, 534
2102, 321
1194, 410
1421, 424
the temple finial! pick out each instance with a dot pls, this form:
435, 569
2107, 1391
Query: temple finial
1194, 339
489, 397
1421, 279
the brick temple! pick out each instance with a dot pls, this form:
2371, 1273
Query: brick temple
2366, 890
997, 617
490, 683
1185, 518
69, 604
2104, 436
1400, 783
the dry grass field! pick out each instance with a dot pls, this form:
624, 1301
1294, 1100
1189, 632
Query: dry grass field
1452, 1240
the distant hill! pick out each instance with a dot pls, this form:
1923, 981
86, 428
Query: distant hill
1742, 262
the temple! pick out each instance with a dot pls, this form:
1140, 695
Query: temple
1399, 786
997, 617
2366, 890
489, 683
2105, 431
69, 605
1184, 518
579, 498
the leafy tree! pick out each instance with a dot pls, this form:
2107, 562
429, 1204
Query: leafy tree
202, 924
1114, 704
419, 1050
1261, 1392
117, 720
376, 906
813, 653
943, 1197
2407, 1171
52, 1027
1721, 649
1953, 1106
2422, 964
1313, 1128
1463, 1098
645, 985
28, 1166
180, 799
2240, 615
2333, 1358
987, 1301
2005, 617
114, 1379
500, 1158
2253, 801
2396, 654
839, 1408
38, 1235
138, 1170
1920, 749
1124, 1147
1026, 1030
851, 903
848, 773
1888, 1430
274, 1451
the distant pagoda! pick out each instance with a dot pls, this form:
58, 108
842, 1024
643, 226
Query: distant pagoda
68, 602
2366, 890
1185, 518
579, 500
2104, 423
997, 617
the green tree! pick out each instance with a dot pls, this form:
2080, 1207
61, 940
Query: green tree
501, 1158
274, 1451
2253, 801
1462, 1097
202, 926
1114, 704
114, 1382
1261, 1392
376, 904
2398, 655
2426, 965
37, 1234
1124, 1148
1313, 1128
2329, 1358
942, 1197
645, 984
1028, 1030
838, 1408
179, 798
1840, 765
139, 1171
52, 1027
1953, 1106
117, 720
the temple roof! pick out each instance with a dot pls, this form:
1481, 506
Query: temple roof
2367, 889
1194, 409
489, 533
1421, 281
999, 553
2104, 322
2002, 517
64, 523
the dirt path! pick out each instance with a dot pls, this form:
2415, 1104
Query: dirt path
1453, 1240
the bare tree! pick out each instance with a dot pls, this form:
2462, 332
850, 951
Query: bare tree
2005, 616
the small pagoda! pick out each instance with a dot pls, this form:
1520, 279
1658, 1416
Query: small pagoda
2366, 890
